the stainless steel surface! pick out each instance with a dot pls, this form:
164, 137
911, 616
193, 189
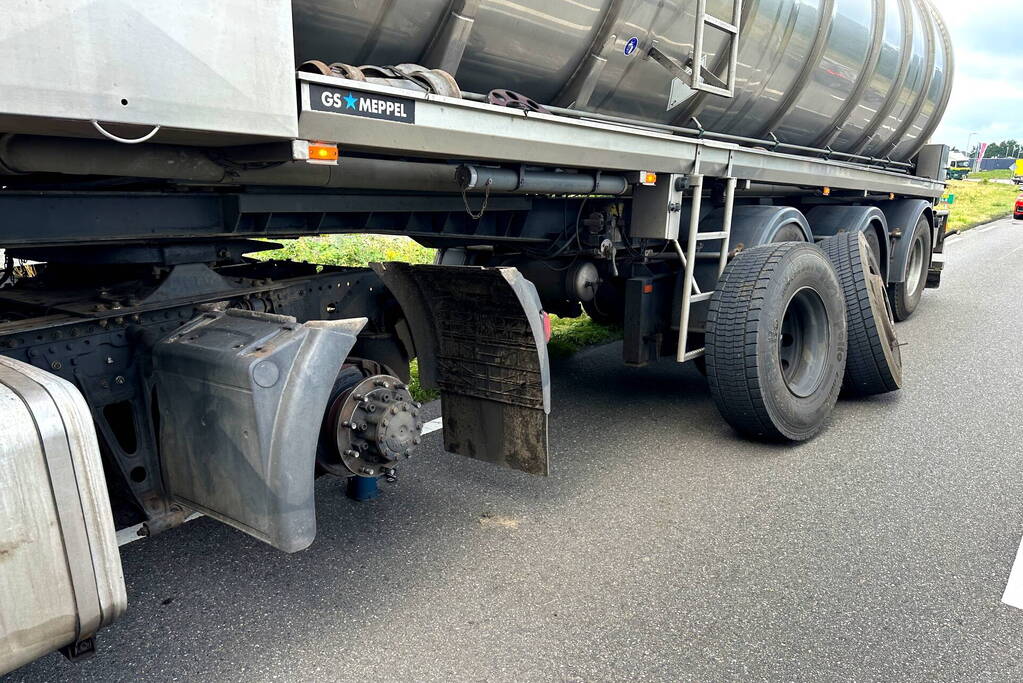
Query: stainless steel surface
656, 209
470, 130
190, 65
58, 552
870, 75
242, 396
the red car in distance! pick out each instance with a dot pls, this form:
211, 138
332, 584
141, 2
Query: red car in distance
1017, 210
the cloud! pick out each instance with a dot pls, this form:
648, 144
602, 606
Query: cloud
987, 95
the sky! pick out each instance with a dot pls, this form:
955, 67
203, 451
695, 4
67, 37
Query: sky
987, 95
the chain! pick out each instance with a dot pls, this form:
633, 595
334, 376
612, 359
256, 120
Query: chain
486, 200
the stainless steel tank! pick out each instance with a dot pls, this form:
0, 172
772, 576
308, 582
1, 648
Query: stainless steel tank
864, 76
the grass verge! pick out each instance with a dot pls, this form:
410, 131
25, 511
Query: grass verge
979, 203
1003, 174
350, 250
569, 335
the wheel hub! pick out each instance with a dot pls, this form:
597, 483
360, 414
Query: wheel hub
376, 423
916, 267
804, 342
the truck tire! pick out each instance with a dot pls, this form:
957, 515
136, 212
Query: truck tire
905, 295
874, 364
776, 342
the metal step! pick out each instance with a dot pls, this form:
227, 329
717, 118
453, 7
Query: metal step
695, 353
721, 24
690, 290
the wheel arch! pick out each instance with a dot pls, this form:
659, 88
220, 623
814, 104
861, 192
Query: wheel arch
756, 225
903, 216
753, 225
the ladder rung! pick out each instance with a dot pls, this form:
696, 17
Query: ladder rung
711, 235
694, 354
721, 24
703, 296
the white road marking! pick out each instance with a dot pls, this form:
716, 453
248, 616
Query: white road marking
433, 426
1013, 595
1009, 255
131, 534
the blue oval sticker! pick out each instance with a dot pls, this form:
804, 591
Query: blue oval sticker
631, 46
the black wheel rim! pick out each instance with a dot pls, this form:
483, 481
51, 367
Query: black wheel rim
804, 342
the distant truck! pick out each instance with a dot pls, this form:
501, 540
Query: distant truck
1017, 172
660, 175
958, 172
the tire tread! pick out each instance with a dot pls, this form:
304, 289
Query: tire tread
867, 371
733, 320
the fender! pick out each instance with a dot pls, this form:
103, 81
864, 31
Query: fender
903, 216
755, 225
480, 338
752, 226
828, 221
230, 384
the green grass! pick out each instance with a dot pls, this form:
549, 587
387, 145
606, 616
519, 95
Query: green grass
979, 203
568, 335
1005, 174
418, 391
350, 250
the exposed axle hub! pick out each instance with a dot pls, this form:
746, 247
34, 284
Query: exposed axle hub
376, 423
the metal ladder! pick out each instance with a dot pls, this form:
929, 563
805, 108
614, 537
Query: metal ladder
699, 77
692, 73
690, 289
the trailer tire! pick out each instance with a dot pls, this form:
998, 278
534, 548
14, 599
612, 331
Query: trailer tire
905, 295
874, 364
776, 342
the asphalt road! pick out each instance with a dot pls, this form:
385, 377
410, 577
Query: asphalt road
662, 547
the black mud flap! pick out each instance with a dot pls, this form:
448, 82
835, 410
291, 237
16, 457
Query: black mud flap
479, 337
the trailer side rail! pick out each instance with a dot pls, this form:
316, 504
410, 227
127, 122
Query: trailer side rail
443, 127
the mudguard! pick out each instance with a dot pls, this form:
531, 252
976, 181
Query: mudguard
903, 216
752, 226
480, 339
241, 396
828, 221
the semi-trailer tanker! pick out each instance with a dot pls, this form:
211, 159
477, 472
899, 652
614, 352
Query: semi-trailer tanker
747, 185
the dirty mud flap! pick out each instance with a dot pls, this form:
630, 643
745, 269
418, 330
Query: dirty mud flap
241, 396
479, 337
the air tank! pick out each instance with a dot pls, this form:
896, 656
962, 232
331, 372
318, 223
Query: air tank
869, 77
